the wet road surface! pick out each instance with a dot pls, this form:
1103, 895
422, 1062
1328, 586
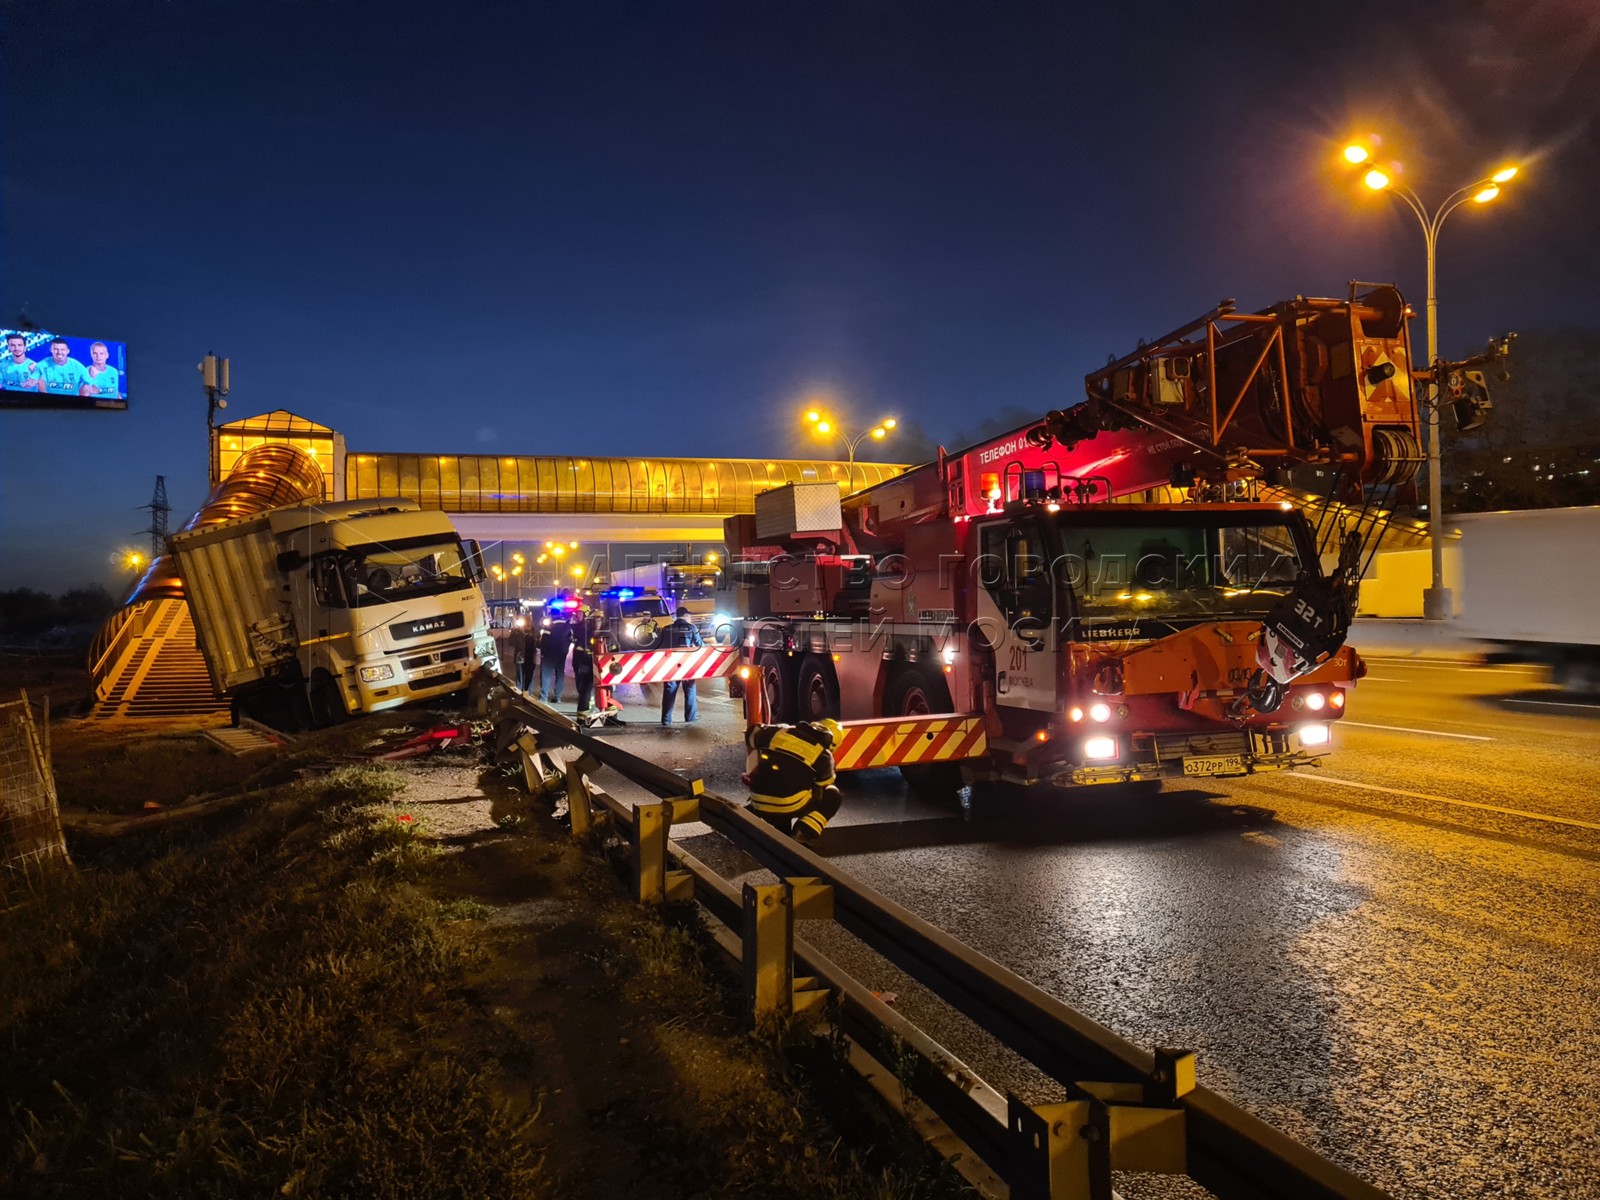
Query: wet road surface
1393, 958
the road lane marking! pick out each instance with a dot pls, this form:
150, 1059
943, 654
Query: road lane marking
1469, 737
1552, 703
1381, 679
1459, 668
1494, 808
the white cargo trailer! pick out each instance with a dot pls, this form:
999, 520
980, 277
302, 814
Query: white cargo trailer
1529, 582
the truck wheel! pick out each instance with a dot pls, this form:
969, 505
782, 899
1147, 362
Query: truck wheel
818, 690
778, 684
915, 693
327, 705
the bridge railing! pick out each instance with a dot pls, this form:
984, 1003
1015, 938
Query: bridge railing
1121, 1107
112, 642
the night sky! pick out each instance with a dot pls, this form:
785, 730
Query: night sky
655, 228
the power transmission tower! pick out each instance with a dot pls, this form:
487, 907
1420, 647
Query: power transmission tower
159, 509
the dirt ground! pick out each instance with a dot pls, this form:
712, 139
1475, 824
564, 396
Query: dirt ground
611, 1027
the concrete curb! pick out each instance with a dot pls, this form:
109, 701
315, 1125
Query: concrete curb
1413, 638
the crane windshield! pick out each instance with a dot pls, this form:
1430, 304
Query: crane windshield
1136, 572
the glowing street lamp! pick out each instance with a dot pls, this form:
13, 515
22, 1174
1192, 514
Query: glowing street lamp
578, 572
825, 426
1436, 603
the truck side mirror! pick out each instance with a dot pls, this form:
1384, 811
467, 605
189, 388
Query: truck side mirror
291, 560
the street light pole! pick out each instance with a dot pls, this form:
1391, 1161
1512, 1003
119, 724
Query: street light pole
1436, 600
826, 426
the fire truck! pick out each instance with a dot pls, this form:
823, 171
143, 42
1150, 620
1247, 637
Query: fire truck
1129, 589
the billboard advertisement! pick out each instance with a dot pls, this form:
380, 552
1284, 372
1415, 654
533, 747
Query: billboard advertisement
47, 370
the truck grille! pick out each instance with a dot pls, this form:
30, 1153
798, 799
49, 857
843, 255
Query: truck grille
433, 660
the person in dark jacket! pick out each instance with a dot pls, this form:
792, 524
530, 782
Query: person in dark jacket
585, 635
792, 787
518, 650
681, 635
554, 643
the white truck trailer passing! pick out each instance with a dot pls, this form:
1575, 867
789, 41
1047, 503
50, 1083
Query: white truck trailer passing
1529, 580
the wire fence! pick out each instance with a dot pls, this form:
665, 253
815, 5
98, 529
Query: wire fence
30, 820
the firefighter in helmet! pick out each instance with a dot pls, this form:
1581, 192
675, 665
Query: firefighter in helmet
792, 786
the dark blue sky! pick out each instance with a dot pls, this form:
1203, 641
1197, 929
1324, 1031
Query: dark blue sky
641, 228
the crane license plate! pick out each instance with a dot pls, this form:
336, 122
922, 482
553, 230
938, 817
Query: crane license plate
1214, 764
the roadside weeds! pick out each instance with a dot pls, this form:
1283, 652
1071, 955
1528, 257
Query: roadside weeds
401, 982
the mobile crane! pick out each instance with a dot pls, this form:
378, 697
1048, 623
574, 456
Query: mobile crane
1127, 589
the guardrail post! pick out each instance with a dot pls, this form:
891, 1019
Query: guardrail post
772, 991
1067, 1151
1050, 1155
768, 956
654, 883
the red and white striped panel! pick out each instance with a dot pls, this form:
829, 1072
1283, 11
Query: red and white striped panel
902, 741
666, 666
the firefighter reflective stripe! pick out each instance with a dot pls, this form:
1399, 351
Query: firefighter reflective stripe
786, 743
909, 740
780, 804
814, 821
667, 666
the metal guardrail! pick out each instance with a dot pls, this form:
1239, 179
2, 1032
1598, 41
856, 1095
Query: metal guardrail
1123, 1109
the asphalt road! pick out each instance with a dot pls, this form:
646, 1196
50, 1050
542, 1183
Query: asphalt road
1392, 957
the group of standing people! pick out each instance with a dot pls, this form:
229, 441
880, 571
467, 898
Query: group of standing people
792, 786
540, 655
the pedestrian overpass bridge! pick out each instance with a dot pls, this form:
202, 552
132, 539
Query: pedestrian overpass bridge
144, 662
517, 498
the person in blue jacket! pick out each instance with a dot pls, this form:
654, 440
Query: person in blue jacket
681, 635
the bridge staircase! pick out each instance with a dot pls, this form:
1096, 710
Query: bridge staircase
151, 667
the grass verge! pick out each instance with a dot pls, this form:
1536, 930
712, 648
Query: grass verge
247, 1014
402, 982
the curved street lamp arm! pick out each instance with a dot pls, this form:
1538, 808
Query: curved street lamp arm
1414, 203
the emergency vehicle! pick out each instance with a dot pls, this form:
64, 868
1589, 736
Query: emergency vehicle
1123, 590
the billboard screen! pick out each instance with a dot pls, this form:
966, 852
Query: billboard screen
47, 370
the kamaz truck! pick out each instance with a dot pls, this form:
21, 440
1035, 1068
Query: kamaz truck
1128, 589
320, 611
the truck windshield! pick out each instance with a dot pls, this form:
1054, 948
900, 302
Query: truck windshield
394, 572
1194, 565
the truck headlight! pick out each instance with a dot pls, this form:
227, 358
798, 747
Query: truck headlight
1099, 748
376, 674
1314, 735
1100, 712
